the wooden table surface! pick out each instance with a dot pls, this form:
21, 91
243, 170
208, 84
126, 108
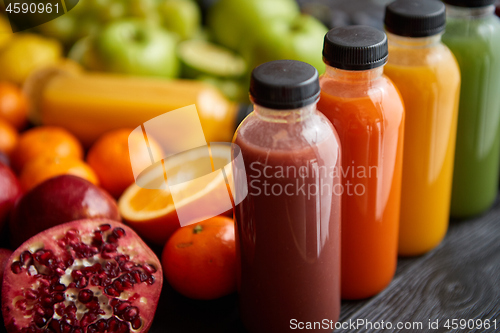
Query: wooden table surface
458, 280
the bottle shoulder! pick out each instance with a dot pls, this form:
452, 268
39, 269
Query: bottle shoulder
475, 35
258, 133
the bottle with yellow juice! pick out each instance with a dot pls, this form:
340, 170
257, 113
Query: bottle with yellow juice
428, 77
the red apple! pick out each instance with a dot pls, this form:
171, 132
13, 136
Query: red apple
10, 191
58, 200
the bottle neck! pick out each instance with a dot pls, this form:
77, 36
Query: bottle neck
466, 13
285, 116
413, 42
354, 76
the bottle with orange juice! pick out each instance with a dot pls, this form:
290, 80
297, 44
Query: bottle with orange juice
428, 77
367, 111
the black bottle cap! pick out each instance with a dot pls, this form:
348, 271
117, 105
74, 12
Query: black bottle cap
284, 84
355, 47
470, 3
415, 18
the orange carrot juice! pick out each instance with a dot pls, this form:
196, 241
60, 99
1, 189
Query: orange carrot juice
367, 112
427, 75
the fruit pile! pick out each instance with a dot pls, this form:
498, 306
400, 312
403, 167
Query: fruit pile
74, 265
219, 44
76, 225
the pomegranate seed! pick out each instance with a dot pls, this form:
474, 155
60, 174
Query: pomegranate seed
46, 255
59, 297
144, 276
122, 328
112, 239
111, 291
71, 310
95, 281
87, 319
114, 301
47, 301
49, 312
135, 276
59, 271
92, 328
39, 321
58, 287
102, 325
76, 274
95, 268
113, 324
106, 281
77, 330
104, 227
94, 305
54, 326
60, 310
151, 269
117, 285
136, 323
82, 283
131, 313
66, 327
16, 267
118, 232
109, 247
121, 307
25, 257
151, 280
127, 266
85, 296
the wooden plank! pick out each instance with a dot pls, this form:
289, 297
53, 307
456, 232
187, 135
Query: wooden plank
459, 280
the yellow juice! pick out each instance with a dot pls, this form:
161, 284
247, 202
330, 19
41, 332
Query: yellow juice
427, 75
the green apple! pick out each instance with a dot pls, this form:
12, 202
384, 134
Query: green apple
301, 39
233, 21
102, 10
135, 47
234, 90
83, 53
181, 16
199, 57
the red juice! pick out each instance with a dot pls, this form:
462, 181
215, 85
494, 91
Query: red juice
288, 226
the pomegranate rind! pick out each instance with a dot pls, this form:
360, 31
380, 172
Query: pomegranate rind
144, 296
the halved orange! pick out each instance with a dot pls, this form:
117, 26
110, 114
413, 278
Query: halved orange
153, 213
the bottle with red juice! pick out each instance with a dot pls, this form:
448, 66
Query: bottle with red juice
288, 226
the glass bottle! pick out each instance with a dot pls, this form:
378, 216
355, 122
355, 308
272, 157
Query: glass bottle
473, 35
367, 111
288, 226
427, 75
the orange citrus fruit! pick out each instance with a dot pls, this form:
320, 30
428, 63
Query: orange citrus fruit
199, 260
45, 167
13, 105
152, 213
45, 141
110, 159
8, 137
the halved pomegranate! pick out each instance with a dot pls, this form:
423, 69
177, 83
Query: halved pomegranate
83, 276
